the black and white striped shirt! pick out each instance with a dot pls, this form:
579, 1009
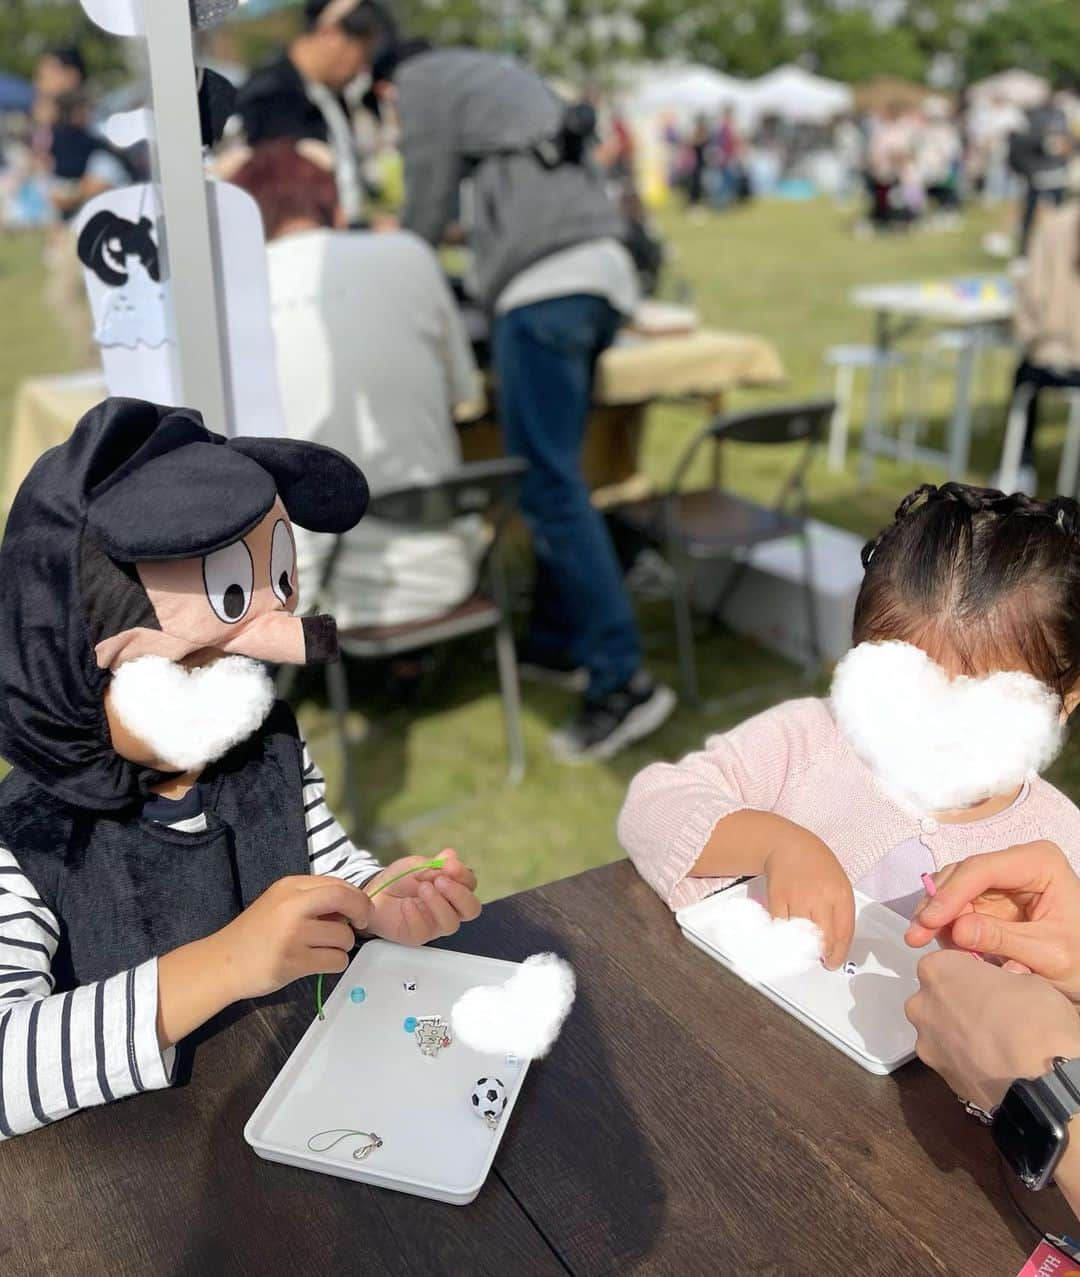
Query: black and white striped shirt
60, 1052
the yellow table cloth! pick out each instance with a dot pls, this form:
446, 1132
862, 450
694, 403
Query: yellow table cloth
697, 364
46, 410
636, 371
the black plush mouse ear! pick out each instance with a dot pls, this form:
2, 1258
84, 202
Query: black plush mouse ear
321, 489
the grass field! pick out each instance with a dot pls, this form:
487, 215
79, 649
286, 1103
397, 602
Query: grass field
777, 269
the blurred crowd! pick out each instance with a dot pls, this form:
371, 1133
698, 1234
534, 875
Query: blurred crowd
52, 157
906, 162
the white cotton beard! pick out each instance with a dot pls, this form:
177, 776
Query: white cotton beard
760, 947
941, 744
522, 1017
191, 717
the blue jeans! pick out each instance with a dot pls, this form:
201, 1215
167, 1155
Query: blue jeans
544, 357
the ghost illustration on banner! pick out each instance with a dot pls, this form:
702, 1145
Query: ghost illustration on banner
120, 240
123, 256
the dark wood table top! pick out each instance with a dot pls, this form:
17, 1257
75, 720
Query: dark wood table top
683, 1125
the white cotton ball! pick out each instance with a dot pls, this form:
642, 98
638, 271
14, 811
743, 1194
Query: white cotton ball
521, 1017
938, 744
191, 717
761, 947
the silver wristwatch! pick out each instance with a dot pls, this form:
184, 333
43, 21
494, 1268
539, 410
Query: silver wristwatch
1031, 1124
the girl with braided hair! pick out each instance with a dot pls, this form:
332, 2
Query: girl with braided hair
929, 749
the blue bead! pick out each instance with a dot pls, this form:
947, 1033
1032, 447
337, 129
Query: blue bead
410, 1024
357, 994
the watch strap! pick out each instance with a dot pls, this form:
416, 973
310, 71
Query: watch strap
1067, 1073
1061, 1086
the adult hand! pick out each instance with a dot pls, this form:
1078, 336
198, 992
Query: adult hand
805, 880
1021, 905
981, 1027
425, 905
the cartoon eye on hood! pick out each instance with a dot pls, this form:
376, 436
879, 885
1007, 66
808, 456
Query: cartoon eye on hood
145, 532
283, 562
229, 577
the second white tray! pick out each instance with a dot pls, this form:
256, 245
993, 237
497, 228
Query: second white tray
861, 1014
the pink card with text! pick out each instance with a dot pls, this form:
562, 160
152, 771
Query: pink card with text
1047, 1261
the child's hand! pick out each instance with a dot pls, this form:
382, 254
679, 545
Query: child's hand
425, 905
300, 926
806, 881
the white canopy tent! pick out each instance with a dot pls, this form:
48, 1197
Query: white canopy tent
684, 90
796, 95
1016, 87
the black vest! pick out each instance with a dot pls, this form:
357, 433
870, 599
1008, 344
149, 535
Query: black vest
126, 889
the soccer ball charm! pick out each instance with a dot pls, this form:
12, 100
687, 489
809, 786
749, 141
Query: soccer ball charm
489, 1100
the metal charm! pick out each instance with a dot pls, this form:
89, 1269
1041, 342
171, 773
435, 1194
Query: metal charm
372, 1141
365, 1150
432, 1035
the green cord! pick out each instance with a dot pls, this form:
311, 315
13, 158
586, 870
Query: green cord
437, 863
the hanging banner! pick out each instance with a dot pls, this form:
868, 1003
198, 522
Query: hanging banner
119, 237
200, 333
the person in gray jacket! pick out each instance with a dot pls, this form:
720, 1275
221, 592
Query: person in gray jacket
487, 145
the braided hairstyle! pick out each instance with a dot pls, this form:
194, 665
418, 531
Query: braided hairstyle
990, 579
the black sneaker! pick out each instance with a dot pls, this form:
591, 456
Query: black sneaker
552, 670
605, 727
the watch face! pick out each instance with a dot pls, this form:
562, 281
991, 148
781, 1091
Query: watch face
1029, 1135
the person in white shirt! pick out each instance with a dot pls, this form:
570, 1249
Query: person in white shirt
373, 360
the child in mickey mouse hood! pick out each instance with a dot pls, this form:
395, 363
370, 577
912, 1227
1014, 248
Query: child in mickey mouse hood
165, 844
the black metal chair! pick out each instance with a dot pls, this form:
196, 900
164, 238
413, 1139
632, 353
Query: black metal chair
486, 490
692, 526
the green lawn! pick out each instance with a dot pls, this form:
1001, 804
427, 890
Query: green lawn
781, 270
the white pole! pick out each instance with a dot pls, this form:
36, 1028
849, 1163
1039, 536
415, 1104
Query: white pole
189, 246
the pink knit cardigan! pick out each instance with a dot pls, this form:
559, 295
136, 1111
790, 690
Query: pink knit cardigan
792, 760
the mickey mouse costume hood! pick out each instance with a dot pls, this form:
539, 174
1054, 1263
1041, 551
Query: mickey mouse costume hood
128, 540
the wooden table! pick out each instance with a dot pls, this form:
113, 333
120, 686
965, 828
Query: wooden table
683, 1125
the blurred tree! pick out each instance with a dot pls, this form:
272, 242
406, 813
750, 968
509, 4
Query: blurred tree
742, 37
853, 45
29, 27
562, 38
583, 39
856, 39
1042, 36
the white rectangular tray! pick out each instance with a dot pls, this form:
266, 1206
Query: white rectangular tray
861, 1014
359, 1069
